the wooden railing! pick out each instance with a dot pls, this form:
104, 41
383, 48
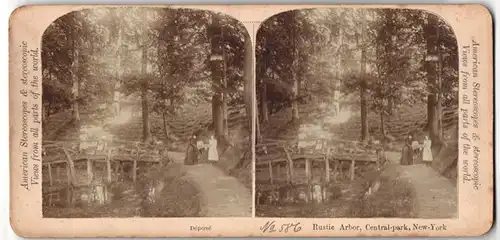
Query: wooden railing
270, 152
68, 152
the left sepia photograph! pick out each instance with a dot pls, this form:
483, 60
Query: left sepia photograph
146, 113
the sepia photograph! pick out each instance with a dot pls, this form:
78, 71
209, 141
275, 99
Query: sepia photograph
146, 113
357, 114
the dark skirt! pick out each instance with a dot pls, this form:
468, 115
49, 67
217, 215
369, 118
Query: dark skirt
406, 156
191, 155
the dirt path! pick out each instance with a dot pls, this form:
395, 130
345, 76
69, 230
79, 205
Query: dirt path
436, 196
223, 195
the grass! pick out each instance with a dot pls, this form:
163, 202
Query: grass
394, 199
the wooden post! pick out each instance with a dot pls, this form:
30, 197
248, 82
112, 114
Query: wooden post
134, 167
308, 169
353, 165
278, 170
68, 173
287, 170
71, 164
271, 178
120, 167
117, 167
134, 170
290, 164
90, 174
50, 174
69, 196
341, 169
106, 195
336, 171
58, 172
323, 193
327, 166
108, 165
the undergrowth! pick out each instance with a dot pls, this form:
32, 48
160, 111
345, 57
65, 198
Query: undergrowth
178, 198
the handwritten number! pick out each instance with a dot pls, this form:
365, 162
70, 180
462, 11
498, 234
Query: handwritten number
297, 227
269, 227
284, 228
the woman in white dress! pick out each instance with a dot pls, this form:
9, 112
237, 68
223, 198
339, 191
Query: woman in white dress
212, 149
426, 151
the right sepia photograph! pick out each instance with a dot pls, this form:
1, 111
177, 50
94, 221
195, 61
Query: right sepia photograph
357, 115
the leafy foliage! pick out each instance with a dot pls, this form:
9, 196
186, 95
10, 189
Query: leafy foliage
111, 42
330, 43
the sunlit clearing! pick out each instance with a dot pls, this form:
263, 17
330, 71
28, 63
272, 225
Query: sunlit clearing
343, 116
90, 136
123, 117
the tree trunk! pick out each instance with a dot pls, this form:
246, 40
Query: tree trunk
75, 89
116, 90
217, 117
164, 74
439, 107
48, 106
165, 127
433, 99
382, 124
224, 95
248, 81
365, 134
257, 129
295, 88
339, 68
216, 65
264, 104
146, 129
46, 114
390, 106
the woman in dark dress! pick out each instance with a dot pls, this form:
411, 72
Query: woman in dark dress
191, 152
407, 152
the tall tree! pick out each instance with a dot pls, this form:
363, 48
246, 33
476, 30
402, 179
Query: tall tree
431, 34
75, 57
117, 86
295, 67
217, 70
365, 134
146, 127
248, 78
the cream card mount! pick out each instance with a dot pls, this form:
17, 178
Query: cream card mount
251, 120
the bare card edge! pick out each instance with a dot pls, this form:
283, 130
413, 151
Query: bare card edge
469, 22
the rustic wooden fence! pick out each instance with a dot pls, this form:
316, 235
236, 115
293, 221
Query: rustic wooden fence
66, 154
271, 153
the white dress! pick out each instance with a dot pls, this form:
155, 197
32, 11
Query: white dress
427, 153
212, 150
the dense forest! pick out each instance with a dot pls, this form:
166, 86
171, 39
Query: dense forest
166, 57
374, 60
